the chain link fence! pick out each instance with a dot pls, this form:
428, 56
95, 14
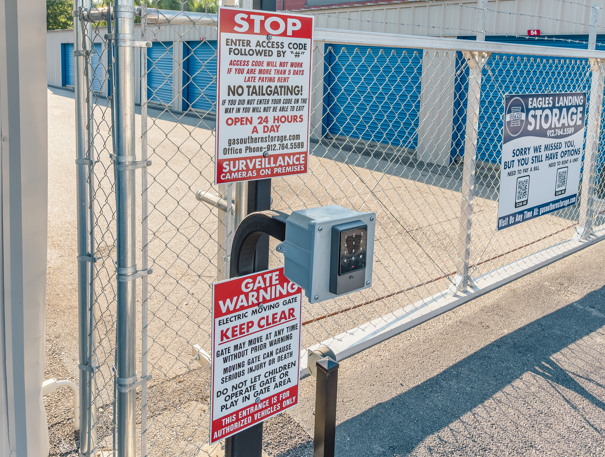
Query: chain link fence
393, 131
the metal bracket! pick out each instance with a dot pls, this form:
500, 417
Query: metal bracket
88, 368
134, 44
476, 59
115, 158
123, 40
315, 355
128, 384
125, 8
457, 282
126, 276
201, 356
582, 233
133, 165
81, 53
214, 200
86, 161
87, 258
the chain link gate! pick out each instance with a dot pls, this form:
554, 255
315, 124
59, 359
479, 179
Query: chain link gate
413, 134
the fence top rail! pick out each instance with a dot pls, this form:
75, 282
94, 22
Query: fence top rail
334, 36
158, 17
180, 18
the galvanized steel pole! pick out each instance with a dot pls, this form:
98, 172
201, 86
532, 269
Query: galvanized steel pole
476, 61
595, 110
144, 235
124, 13
481, 19
85, 254
594, 22
249, 443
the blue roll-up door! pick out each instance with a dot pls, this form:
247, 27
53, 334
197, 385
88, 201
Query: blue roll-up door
199, 75
98, 67
373, 93
67, 64
507, 74
159, 73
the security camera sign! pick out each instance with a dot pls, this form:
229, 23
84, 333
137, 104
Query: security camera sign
263, 96
543, 144
255, 350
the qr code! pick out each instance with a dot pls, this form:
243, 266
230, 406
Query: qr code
561, 184
522, 195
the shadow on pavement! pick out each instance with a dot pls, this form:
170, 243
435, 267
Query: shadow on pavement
398, 426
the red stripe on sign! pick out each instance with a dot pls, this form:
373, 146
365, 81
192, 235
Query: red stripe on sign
265, 23
234, 295
250, 415
246, 169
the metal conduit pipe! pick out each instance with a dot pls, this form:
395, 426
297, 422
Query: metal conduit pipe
158, 17
50, 385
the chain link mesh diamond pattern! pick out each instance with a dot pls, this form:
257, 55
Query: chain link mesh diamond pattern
388, 134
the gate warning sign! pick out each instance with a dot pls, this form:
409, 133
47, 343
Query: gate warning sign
256, 322
263, 95
543, 145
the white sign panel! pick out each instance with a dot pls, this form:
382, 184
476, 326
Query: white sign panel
255, 350
542, 150
263, 96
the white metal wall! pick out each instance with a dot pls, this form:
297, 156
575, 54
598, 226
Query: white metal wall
23, 227
452, 19
54, 38
177, 34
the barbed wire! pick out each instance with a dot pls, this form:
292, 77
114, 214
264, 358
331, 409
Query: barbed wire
476, 8
529, 38
575, 3
487, 9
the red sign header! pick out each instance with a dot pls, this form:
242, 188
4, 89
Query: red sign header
534, 32
265, 23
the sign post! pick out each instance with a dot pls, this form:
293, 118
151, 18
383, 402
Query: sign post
543, 144
255, 350
263, 104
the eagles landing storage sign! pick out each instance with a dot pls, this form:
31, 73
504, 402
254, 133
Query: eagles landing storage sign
255, 350
542, 149
263, 97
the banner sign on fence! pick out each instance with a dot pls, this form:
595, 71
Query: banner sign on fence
263, 95
543, 144
256, 321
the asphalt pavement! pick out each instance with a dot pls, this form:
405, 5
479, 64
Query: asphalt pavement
519, 371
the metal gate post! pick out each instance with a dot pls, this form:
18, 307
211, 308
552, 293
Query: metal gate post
324, 441
124, 13
144, 234
85, 254
591, 153
594, 23
476, 61
481, 19
249, 443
